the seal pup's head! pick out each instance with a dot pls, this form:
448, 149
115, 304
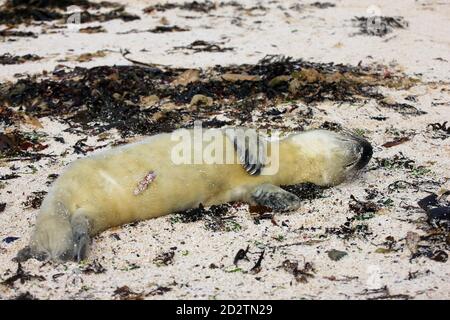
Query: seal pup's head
328, 157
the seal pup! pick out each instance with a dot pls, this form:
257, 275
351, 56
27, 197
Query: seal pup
142, 180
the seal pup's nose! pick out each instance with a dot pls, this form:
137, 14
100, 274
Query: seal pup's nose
366, 153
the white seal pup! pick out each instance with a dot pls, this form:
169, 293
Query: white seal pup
141, 181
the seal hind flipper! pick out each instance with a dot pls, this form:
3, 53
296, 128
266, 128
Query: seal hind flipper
250, 148
274, 197
81, 237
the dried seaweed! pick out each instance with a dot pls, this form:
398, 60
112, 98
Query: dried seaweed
106, 97
204, 46
125, 293
25, 296
94, 267
18, 143
15, 33
395, 142
241, 255
215, 218
197, 6
301, 275
436, 242
159, 291
15, 12
403, 108
157, 29
34, 200
164, 259
322, 5
10, 59
22, 276
89, 30
442, 130
362, 207
306, 191
379, 25
119, 13
257, 267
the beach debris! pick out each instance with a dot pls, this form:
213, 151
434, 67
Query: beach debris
435, 243
201, 100
395, 142
306, 191
198, 6
144, 183
86, 57
159, 291
322, 5
34, 200
119, 13
362, 207
379, 25
204, 46
388, 246
164, 258
442, 130
412, 241
350, 229
22, 276
80, 147
9, 176
402, 108
437, 209
157, 29
257, 267
439, 256
94, 267
2, 206
188, 76
14, 12
93, 29
215, 217
25, 296
383, 293
301, 275
16, 143
401, 162
10, 59
261, 213
15, 33
241, 255
50, 178
10, 239
125, 293
336, 255
234, 77
106, 97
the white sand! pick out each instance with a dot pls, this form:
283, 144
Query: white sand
321, 35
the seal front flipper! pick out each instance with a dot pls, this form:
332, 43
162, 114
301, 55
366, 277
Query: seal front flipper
274, 197
250, 148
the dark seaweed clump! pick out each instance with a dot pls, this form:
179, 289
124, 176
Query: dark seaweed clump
435, 244
215, 218
196, 6
379, 25
15, 12
107, 97
10, 59
306, 191
16, 143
